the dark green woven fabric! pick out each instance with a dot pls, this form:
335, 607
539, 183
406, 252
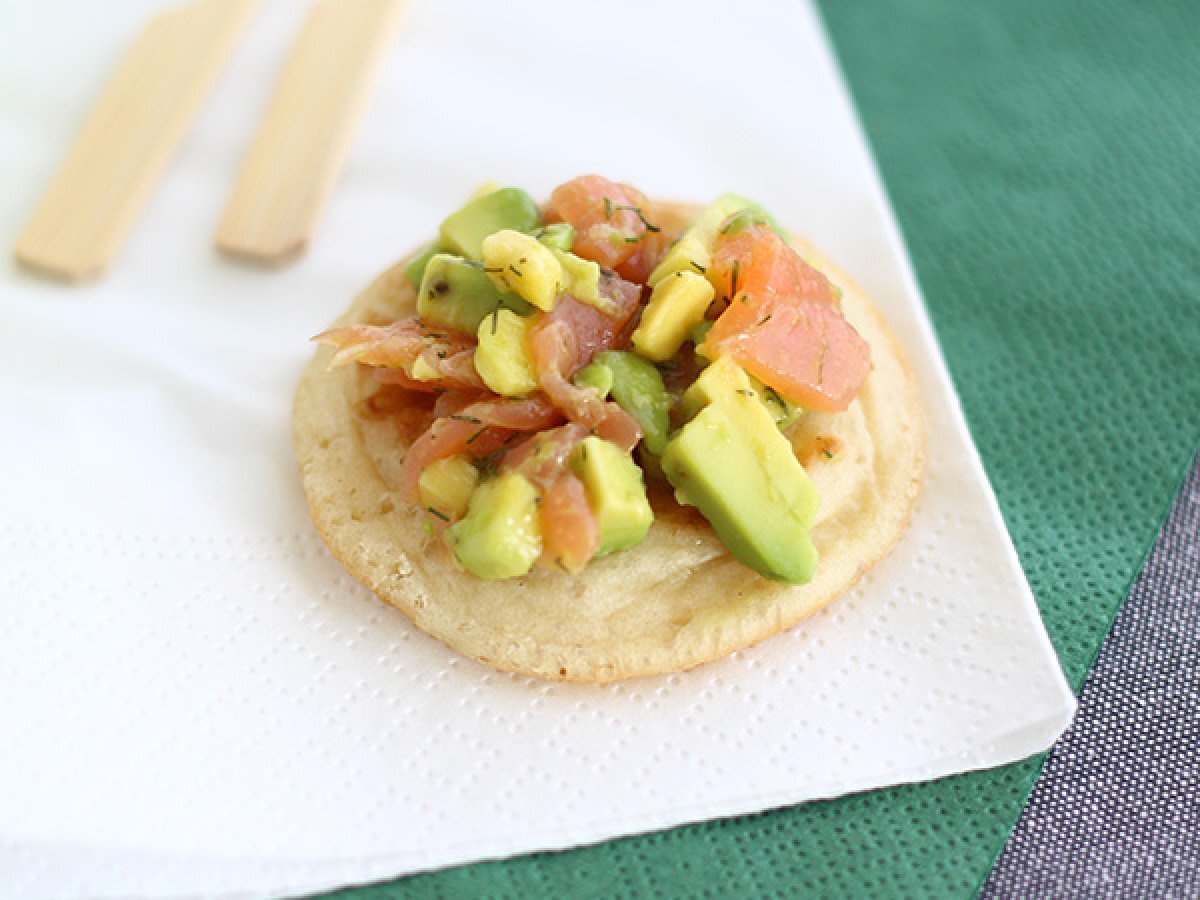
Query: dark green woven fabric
1044, 161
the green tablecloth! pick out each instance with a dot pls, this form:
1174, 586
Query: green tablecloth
1044, 162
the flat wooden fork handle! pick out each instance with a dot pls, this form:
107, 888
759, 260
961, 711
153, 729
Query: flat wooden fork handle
294, 160
131, 135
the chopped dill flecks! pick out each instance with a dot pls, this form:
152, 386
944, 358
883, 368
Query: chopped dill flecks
477, 435
490, 464
514, 270
734, 278
608, 208
471, 419
637, 211
438, 513
826, 445
699, 268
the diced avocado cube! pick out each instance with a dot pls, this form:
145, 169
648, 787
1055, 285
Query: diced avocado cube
693, 251
520, 264
637, 387
677, 305
741, 220
415, 270
733, 465
719, 380
501, 534
511, 208
445, 486
615, 493
755, 494
455, 293
760, 214
581, 279
502, 355
595, 376
559, 236
725, 378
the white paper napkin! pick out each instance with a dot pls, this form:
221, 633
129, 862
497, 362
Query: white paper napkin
198, 700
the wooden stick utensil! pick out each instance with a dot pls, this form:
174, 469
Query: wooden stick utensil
132, 133
293, 163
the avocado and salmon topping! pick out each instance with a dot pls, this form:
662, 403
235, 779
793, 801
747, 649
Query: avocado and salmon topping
574, 354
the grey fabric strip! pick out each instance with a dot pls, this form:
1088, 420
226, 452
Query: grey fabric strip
1116, 810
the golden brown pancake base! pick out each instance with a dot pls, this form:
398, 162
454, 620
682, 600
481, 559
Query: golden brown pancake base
673, 602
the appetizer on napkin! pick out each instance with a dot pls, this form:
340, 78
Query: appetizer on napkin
608, 436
